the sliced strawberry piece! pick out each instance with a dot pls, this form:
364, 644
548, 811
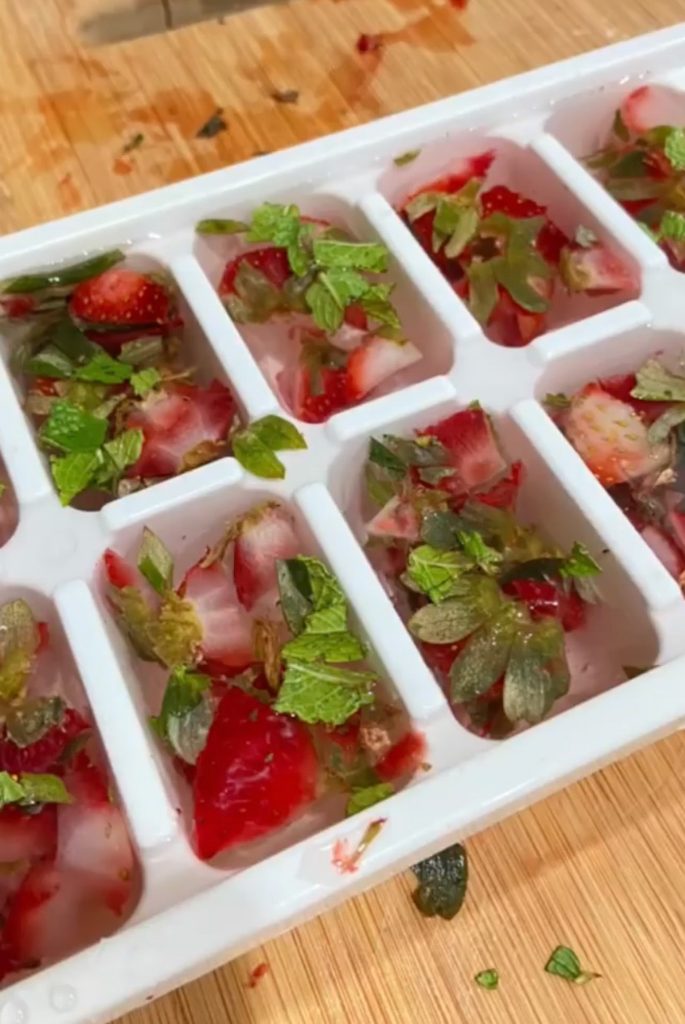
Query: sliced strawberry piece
611, 438
596, 271
226, 629
44, 754
25, 836
257, 771
374, 361
398, 518
404, 758
43, 636
176, 422
470, 441
269, 261
541, 597
16, 307
676, 522
504, 494
117, 570
264, 536
573, 610
357, 318
635, 110
316, 405
621, 387
501, 199
440, 657
668, 553
121, 297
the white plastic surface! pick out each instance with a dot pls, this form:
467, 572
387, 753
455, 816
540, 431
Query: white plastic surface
191, 916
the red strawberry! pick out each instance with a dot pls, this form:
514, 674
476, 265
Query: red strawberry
16, 307
119, 573
357, 318
43, 636
178, 420
621, 387
42, 755
404, 758
398, 518
440, 657
315, 404
595, 271
369, 43
501, 199
121, 297
270, 261
25, 836
635, 110
676, 521
374, 361
472, 447
226, 629
264, 536
546, 599
505, 492
257, 771
668, 553
611, 438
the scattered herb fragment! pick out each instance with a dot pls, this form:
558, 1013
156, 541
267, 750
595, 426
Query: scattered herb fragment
443, 880
406, 158
212, 126
565, 964
133, 143
254, 446
257, 973
285, 95
488, 979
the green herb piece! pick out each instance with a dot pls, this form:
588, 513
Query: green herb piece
673, 226
363, 798
579, 564
276, 223
50, 362
661, 428
102, 369
485, 657
212, 126
19, 641
619, 127
443, 880
436, 572
155, 562
30, 789
186, 713
295, 592
315, 693
406, 158
333, 254
421, 204
585, 237
482, 290
221, 226
657, 384
488, 979
326, 311
31, 720
330, 647
485, 557
382, 456
476, 600
256, 457
61, 277
175, 634
133, 143
145, 381
72, 341
565, 964
143, 350
674, 148
557, 400
74, 473
278, 434
124, 450
73, 430
537, 673
631, 165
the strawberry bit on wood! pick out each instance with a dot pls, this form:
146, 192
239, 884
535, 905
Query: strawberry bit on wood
257, 973
369, 43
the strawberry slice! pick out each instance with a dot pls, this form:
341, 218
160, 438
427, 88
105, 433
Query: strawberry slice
315, 404
611, 438
257, 771
16, 307
121, 297
547, 600
263, 537
440, 657
595, 271
398, 518
505, 492
117, 570
226, 629
621, 387
183, 425
472, 447
374, 361
500, 199
25, 836
269, 261
404, 758
635, 110
668, 553
44, 754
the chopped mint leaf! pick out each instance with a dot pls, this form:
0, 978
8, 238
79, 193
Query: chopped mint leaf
382, 456
406, 158
657, 384
143, 350
256, 457
579, 563
60, 277
186, 713
557, 400
70, 428
124, 449
443, 880
436, 572
276, 223
19, 641
329, 605
315, 693
221, 226
278, 434
486, 558
72, 341
102, 369
476, 600
31, 788
75, 472
488, 979
329, 647
155, 562
145, 380
326, 311
295, 592
674, 148
673, 226
345, 286
565, 964
362, 799
50, 362
30, 721
424, 451
369, 256
424, 202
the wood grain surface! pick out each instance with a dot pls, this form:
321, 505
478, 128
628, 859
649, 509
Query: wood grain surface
600, 866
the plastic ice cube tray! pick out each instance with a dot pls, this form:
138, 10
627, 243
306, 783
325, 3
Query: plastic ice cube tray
192, 916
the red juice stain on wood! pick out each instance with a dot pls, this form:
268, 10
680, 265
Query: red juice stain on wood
122, 166
70, 195
369, 43
257, 974
461, 5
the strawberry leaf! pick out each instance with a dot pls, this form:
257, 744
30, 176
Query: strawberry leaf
134, 617
221, 226
317, 693
73, 430
443, 880
362, 799
476, 600
660, 429
485, 657
278, 434
155, 562
657, 384
537, 673
29, 722
482, 290
31, 788
175, 634
484, 556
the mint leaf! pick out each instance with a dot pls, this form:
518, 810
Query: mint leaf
274, 222
255, 456
329, 604
329, 647
674, 148
362, 799
579, 563
660, 429
145, 380
32, 788
73, 430
59, 277
221, 226
295, 592
11, 791
485, 657
486, 558
488, 979
368, 256
31, 720
421, 204
155, 562
673, 226
72, 341
278, 434
49, 362
102, 369
74, 473
657, 384
435, 571
565, 964
443, 880
326, 312
345, 286
322, 693
124, 449
186, 714
382, 456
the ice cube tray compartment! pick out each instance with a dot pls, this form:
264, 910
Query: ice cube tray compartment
542, 120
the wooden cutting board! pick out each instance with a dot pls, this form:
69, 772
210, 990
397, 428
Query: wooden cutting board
600, 866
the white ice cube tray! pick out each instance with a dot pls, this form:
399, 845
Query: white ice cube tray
191, 916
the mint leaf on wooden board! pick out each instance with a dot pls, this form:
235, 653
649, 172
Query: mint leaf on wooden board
443, 881
564, 963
